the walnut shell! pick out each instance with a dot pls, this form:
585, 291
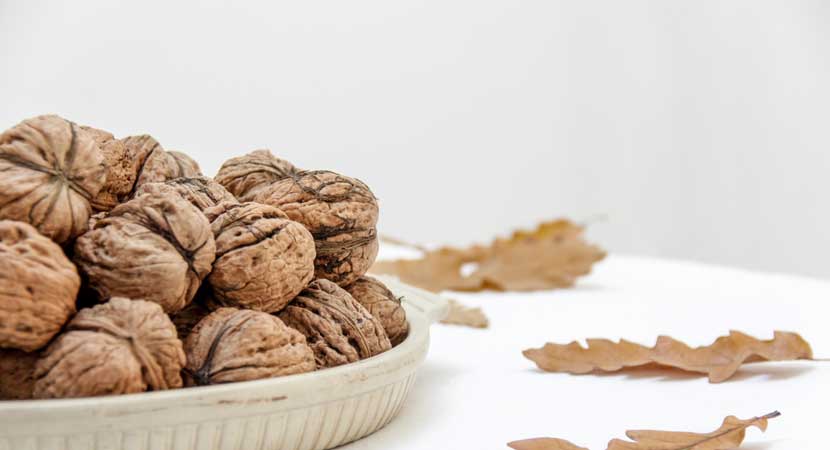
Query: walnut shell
51, 170
244, 176
186, 319
239, 345
263, 260
119, 347
17, 374
121, 170
201, 192
338, 328
382, 304
156, 165
340, 212
39, 286
157, 247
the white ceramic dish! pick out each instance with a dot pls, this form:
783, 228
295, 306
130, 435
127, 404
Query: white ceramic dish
312, 411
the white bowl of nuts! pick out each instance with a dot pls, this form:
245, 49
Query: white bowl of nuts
143, 305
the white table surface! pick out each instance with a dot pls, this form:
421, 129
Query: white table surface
477, 391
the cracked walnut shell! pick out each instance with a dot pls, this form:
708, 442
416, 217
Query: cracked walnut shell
156, 247
263, 260
340, 212
338, 328
201, 192
121, 170
246, 175
51, 170
239, 345
382, 304
39, 287
119, 347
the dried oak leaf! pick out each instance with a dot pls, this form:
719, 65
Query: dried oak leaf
338, 328
553, 255
51, 170
244, 176
719, 360
17, 371
263, 259
465, 316
382, 304
39, 287
201, 192
238, 345
156, 247
729, 436
340, 212
119, 347
121, 170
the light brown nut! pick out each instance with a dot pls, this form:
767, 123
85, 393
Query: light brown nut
154, 164
262, 259
121, 170
186, 319
239, 345
39, 287
119, 347
156, 247
382, 304
17, 370
338, 328
201, 192
51, 170
340, 212
245, 175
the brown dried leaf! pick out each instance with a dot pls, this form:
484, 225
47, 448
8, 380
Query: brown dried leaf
465, 316
719, 360
551, 256
730, 435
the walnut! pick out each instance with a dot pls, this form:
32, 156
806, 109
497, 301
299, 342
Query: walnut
154, 164
17, 371
200, 191
263, 260
245, 175
382, 304
39, 286
121, 170
338, 328
340, 212
156, 247
119, 347
239, 345
51, 170
186, 319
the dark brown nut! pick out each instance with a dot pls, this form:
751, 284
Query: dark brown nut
245, 175
17, 371
39, 286
239, 345
156, 247
338, 328
201, 192
262, 259
186, 319
119, 347
382, 304
51, 170
340, 212
121, 170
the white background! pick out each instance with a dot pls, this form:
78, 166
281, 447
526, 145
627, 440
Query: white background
696, 129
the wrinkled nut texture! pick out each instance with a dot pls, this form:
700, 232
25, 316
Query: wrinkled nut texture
186, 319
201, 192
39, 287
17, 371
245, 175
156, 165
238, 345
156, 247
338, 328
262, 259
382, 304
119, 347
51, 170
121, 170
340, 212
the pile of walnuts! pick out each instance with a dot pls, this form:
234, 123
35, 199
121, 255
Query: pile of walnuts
124, 269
